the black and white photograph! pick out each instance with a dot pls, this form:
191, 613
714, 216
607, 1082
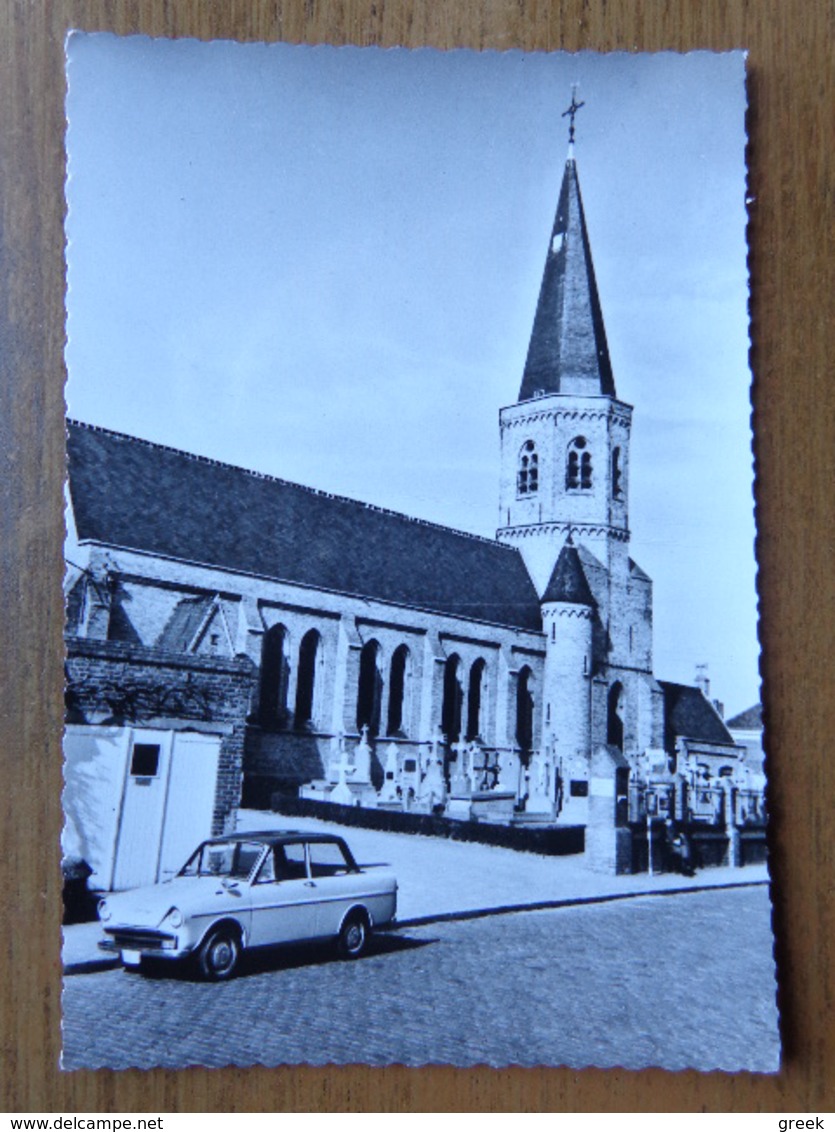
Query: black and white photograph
413, 702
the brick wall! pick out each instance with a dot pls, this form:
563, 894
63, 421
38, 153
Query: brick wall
118, 683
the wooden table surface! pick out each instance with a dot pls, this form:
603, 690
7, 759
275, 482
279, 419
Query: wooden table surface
791, 258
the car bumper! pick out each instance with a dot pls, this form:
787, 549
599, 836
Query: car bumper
134, 945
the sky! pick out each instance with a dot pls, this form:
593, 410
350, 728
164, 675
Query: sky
323, 264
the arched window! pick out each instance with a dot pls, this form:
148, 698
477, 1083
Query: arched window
527, 474
275, 673
474, 698
453, 700
524, 709
370, 688
617, 475
578, 465
398, 714
614, 718
306, 680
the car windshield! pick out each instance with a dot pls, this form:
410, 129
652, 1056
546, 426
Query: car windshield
233, 859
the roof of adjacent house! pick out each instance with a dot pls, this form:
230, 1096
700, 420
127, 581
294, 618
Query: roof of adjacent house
138, 495
687, 713
749, 720
568, 352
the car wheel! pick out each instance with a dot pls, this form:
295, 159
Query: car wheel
219, 954
353, 936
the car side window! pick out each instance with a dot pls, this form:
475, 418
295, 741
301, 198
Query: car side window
245, 860
327, 859
289, 861
266, 873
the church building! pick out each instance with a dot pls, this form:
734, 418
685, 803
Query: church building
232, 634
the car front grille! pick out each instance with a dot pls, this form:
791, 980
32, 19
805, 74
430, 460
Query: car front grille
139, 939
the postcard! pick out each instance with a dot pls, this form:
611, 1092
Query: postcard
413, 711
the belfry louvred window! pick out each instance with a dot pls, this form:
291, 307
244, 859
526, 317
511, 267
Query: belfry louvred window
578, 465
527, 475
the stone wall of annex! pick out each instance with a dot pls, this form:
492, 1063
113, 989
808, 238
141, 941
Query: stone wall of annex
120, 683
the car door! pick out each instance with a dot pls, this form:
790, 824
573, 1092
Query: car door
338, 885
283, 898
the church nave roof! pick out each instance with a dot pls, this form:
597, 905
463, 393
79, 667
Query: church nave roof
143, 496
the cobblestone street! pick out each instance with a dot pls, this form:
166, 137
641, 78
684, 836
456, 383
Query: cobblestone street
679, 981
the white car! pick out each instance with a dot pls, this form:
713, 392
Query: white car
251, 890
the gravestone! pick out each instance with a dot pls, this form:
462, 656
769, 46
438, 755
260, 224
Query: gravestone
432, 790
389, 798
608, 835
540, 790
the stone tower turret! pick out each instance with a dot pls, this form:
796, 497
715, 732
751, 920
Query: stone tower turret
567, 613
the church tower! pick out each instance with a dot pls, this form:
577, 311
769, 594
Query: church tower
564, 503
565, 443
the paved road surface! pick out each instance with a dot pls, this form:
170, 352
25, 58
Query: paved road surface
677, 981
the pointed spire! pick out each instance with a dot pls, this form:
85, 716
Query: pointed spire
568, 352
568, 580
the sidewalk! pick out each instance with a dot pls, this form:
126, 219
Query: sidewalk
440, 879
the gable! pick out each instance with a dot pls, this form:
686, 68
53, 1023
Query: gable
213, 637
141, 496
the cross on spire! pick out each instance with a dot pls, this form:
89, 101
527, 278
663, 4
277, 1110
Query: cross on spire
571, 112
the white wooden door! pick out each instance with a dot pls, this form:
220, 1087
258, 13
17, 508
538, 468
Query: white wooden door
143, 808
191, 799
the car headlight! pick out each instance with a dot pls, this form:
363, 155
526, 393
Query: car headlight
104, 911
174, 917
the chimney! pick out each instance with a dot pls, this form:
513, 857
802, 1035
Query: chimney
702, 680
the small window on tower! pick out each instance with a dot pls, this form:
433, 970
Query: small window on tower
617, 487
527, 475
578, 466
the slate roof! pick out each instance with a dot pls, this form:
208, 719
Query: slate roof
749, 720
689, 714
568, 340
568, 581
134, 494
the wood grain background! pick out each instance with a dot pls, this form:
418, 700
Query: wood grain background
791, 238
